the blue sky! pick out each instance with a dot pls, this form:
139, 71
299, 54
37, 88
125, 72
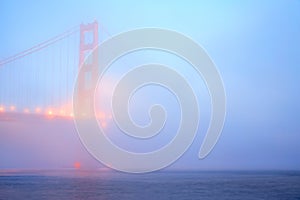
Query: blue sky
255, 45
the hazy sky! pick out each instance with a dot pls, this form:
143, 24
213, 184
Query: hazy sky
254, 44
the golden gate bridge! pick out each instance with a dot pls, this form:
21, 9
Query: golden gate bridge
40, 80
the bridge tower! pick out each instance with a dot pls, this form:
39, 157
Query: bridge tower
87, 63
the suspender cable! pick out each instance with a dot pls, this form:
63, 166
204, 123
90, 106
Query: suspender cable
40, 46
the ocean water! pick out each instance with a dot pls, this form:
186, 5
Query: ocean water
110, 185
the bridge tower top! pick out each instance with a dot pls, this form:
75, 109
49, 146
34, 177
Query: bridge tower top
88, 40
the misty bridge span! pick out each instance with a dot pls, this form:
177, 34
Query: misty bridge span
41, 79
